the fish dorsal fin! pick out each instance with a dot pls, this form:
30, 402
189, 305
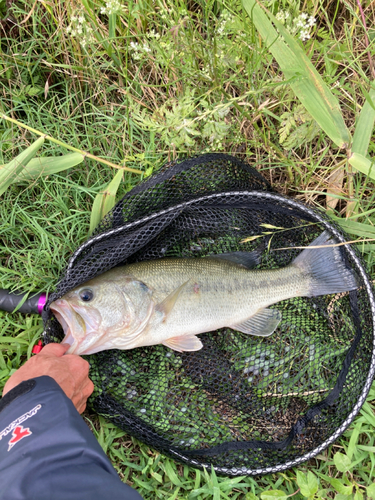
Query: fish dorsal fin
184, 343
168, 303
262, 324
244, 259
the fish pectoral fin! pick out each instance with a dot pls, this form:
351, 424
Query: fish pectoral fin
263, 323
168, 303
184, 343
243, 259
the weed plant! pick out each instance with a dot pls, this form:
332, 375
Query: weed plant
131, 85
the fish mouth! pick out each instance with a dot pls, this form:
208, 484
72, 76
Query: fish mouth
81, 329
72, 322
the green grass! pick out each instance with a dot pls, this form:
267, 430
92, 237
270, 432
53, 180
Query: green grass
199, 78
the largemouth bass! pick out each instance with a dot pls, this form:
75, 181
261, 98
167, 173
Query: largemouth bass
172, 300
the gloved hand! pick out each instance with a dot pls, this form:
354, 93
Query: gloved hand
71, 372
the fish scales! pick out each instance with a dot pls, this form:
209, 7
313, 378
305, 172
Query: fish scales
228, 294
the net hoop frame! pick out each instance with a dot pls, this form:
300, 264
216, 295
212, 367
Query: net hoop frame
321, 219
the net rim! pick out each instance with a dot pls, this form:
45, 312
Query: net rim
359, 268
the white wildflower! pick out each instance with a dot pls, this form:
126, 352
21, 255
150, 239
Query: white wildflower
138, 51
300, 26
220, 29
298, 21
311, 22
304, 35
280, 16
152, 34
226, 17
112, 7
80, 29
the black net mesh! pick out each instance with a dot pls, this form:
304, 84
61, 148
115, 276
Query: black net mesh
244, 404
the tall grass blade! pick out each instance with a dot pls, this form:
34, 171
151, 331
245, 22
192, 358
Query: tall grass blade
104, 201
364, 165
10, 171
357, 228
305, 81
365, 126
48, 165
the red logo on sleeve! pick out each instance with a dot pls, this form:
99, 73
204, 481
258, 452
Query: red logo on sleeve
18, 433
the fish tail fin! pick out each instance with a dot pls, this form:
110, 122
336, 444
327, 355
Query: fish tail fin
324, 268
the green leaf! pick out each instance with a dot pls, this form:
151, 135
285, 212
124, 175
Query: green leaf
364, 126
175, 494
112, 26
171, 474
48, 165
323, 493
363, 164
354, 440
370, 449
272, 494
157, 476
149, 171
4, 373
339, 486
305, 81
104, 201
358, 228
358, 495
10, 171
250, 496
308, 485
342, 462
371, 491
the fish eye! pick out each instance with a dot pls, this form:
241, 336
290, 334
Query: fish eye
86, 295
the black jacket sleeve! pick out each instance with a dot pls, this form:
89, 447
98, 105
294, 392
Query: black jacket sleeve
47, 452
